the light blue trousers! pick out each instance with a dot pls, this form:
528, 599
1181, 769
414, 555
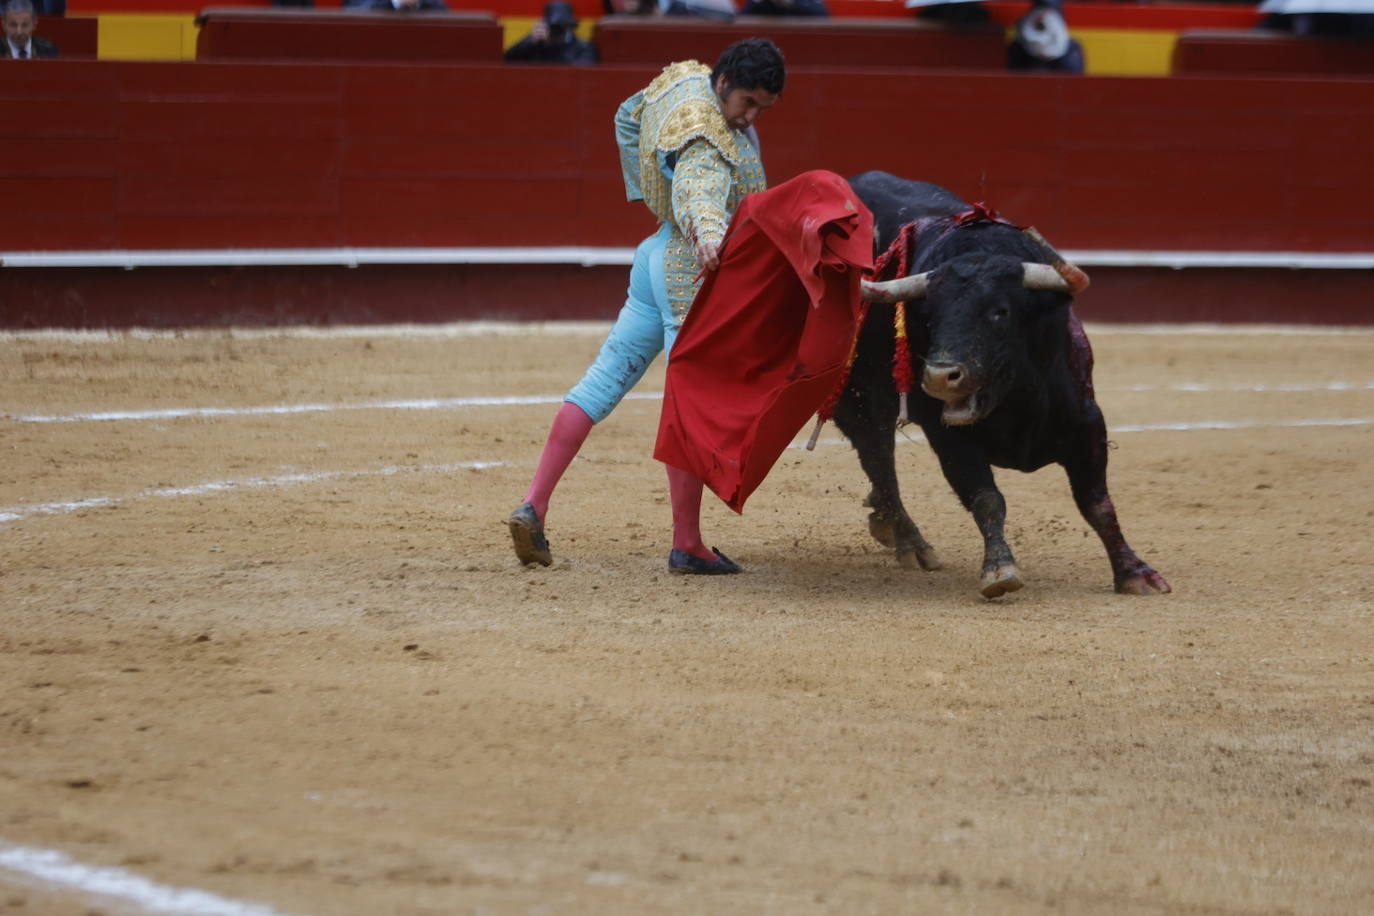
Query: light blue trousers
644, 327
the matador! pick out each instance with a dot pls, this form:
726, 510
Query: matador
689, 151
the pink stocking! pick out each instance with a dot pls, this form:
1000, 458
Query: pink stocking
570, 428
685, 490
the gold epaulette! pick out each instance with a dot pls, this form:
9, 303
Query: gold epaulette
694, 114
698, 118
673, 74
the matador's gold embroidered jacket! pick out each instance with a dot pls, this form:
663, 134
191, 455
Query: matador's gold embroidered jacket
690, 168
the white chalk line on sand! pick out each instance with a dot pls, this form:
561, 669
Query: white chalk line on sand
57, 868
15, 513
177, 413
180, 413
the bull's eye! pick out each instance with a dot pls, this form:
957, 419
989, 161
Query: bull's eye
999, 314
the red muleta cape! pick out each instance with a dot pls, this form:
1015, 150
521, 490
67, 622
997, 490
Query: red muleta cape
768, 336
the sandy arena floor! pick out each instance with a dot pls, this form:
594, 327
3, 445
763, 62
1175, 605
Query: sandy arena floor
262, 636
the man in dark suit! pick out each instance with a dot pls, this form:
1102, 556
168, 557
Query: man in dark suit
20, 42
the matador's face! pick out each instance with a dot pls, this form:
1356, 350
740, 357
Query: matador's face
742, 106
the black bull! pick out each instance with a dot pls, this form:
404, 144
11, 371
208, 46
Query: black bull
1007, 379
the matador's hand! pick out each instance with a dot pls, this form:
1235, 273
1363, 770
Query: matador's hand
708, 254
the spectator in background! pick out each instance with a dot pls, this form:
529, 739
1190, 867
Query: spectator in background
400, 6
785, 8
1042, 41
955, 13
722, 10
553, 40
1349, 24
20, 43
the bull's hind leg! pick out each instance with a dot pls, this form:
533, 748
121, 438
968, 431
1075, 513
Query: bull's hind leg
873, 434
1087, 470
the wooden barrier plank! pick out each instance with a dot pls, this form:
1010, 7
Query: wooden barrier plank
37, 195
403, 156
207, 80
194, 229
266, 195
266, 120
66, 118
524, 199
1259, 51
78, 230
60, 156
221, 157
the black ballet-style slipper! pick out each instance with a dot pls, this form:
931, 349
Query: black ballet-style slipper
682, 562
527, 533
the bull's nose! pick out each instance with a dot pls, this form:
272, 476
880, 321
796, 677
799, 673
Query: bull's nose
940, 377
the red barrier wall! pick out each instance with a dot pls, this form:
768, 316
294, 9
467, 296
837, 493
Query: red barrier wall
123, 155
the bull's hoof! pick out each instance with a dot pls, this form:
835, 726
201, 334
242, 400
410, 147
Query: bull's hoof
1146, 582
922, 556
999, 581
883, 531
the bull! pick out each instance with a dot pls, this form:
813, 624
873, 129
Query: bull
1005, 376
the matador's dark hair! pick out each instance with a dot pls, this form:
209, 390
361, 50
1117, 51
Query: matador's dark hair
753, 63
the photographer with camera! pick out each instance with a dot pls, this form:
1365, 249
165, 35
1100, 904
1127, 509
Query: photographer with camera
553, 40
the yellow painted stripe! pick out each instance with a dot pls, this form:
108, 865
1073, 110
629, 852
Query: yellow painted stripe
129, 36
1127, 52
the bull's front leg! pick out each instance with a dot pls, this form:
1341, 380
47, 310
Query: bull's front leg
1087, 472
871, 427
1000, 572
971, 477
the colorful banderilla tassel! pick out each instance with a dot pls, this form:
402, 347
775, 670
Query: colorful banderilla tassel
902, 375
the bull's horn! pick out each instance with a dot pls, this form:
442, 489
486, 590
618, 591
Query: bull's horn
1043, 276
1073, 274
899, 290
